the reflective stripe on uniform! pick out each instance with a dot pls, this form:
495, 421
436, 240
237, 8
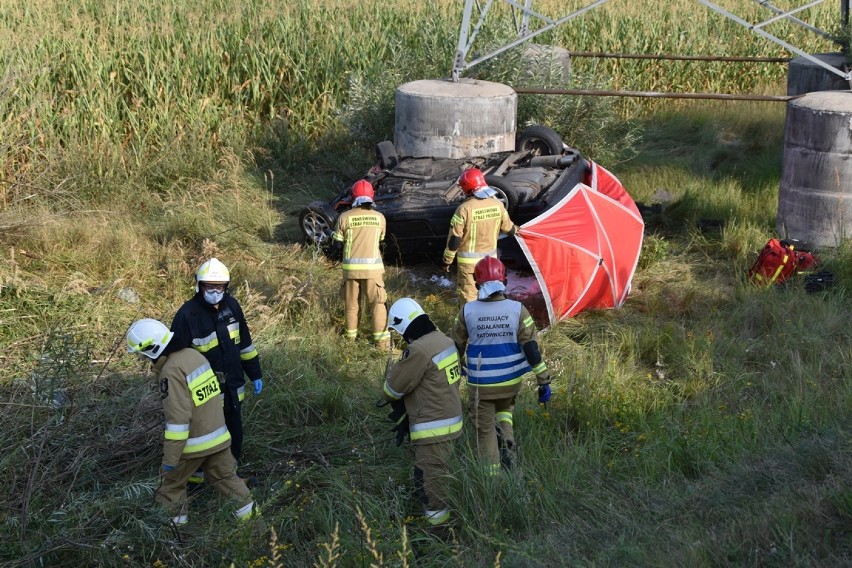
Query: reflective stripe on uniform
473, 257
362, 263
435, 428
205, 344
381, 335
207, 441
234, 332
245, 511
503, 417
437, 517
540, 368
177, 431
248, 353
392, 393
241, 393
446, 357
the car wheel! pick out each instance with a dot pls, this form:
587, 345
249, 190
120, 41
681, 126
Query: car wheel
540, 140
317, 223
386, 155
506, 193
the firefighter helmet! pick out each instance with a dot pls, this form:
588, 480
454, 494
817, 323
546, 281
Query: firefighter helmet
362, 188
489, 269
471, 180
148, 337
402, 313
212, 271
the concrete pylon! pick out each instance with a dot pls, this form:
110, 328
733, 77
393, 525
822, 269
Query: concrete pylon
446, 119
815, 196
806, 76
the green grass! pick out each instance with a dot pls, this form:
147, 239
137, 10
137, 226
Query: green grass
705, 423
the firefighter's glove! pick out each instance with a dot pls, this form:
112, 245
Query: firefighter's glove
399, 417
258, 385
543, 393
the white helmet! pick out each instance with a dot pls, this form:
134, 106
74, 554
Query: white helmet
148, 337
212, 271
402, 313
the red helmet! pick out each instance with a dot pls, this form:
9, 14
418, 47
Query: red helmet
471, 180
362, 188
489, 269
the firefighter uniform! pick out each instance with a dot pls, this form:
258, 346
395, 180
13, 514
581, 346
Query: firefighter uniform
195, 434
360, 231
427, 379
222, 336
474, 229
501, 347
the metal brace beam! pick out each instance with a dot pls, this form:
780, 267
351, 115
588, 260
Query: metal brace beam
845, 75
467, 35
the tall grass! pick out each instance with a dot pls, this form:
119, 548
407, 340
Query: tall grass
705, 423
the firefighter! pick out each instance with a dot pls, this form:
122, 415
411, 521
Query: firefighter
423, 390
360, 232
195, 431
212, 323
474, 229
500, 336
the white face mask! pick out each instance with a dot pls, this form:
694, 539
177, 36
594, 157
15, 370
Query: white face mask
213, 297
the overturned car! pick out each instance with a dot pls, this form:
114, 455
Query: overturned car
418, 196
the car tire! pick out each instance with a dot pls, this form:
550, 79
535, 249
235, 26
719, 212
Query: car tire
506, 193
386, 155
541, 140
317, 223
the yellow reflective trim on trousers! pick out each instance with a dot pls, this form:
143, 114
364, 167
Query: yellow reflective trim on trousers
492, 469
241, 393
176, 435
207, 441
504, 417
437, 517
435, 432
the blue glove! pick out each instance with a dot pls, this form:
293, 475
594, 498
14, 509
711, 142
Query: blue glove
258, 385
543, 393
168, 467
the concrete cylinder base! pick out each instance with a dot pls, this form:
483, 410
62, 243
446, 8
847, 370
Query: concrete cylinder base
815, 195
805, 76
440, 118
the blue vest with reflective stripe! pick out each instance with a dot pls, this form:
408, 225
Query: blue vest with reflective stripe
494, 357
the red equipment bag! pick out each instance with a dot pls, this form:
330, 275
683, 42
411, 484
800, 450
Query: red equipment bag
779, 260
